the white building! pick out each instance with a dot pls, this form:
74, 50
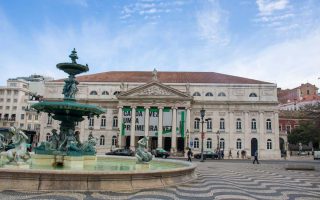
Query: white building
241, 113
15, 101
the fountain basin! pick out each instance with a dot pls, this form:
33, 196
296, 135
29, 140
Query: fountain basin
111, 173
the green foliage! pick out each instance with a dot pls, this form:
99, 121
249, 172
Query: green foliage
308, 131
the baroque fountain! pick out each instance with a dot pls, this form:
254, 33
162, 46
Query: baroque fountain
67, 164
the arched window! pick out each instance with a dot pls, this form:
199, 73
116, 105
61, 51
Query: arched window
196, 123
93, 92
252, 94
254, 125
91, 122
221, 94
196, 94
238, 124
238, 143
103, 121
114, 140
209, 143
209, 124
268, 125
209, 94
48, 136
115, 122
222, 126
105, 93
116, 93
196, 143
102, 140
222, 143
269, 144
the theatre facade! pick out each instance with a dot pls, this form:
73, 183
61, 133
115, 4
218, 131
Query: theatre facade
240, 114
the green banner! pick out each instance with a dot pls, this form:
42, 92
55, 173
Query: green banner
182, 125
123, 129
154, 110
166, 109
126, 109
141, 109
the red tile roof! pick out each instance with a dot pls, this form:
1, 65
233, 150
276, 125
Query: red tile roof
166, 77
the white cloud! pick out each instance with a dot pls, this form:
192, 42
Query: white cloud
212, 22
287, 63
267, 7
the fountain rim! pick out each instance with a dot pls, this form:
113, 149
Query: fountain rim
189, 166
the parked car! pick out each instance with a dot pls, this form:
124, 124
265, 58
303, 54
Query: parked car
159, 152
207, 154
121, 152
316, 155
302, 153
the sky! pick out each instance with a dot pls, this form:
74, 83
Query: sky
277, 41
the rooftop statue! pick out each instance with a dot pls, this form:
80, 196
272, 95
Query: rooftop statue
142, 155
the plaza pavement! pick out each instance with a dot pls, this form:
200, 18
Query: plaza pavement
217, 179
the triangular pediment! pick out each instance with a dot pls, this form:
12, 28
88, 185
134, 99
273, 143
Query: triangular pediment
153, 89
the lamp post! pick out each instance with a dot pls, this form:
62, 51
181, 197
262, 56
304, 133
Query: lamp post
188, 139
118, 135
202, 113
218, 148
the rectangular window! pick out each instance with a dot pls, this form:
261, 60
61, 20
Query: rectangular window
29, 117
15, 100
7, 107
14, 108
8, 100
21, 125
9, 92
22, 116
29, 126
36, 117
91, 122
16, 92
1, 100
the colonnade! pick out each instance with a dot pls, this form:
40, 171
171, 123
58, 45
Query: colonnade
146, 123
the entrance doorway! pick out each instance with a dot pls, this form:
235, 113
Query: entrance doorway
180, 144
127, 146
167, 143
254, 146
154, 143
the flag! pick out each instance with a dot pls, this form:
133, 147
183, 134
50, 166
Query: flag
182, 124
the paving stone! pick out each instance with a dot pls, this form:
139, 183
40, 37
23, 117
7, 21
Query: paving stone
216, 180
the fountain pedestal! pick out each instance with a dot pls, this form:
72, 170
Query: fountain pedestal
68, 162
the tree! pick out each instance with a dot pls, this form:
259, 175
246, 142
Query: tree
308, 131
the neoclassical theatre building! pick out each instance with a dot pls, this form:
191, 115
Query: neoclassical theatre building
240, 113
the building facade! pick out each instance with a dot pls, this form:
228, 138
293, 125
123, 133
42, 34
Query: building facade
240, 113
15, 101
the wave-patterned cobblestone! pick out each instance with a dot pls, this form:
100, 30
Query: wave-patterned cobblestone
216, 180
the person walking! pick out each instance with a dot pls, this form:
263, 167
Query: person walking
230, 154
189, 154
256, 157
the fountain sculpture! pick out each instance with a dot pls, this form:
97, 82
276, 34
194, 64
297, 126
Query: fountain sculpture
65, 163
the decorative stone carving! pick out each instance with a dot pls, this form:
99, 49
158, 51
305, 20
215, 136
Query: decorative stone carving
141, 154
154, 91
267, 92
222, 114
238, 92
237, 113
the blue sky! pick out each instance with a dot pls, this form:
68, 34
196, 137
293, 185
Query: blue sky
271, 40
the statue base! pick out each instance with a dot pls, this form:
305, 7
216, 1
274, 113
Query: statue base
18, 165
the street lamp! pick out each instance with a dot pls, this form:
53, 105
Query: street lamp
118, 135
188, 139
202, 113
218, 148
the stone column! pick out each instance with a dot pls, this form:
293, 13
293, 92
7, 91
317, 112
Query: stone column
276, 131
174, 130
133, 125
146, 121
232, 126
246, 141
160, 125
261, 138
120, 126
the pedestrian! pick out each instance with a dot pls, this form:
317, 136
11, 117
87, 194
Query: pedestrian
222, 153
189, 154
237, 154
230, 154
256, 157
